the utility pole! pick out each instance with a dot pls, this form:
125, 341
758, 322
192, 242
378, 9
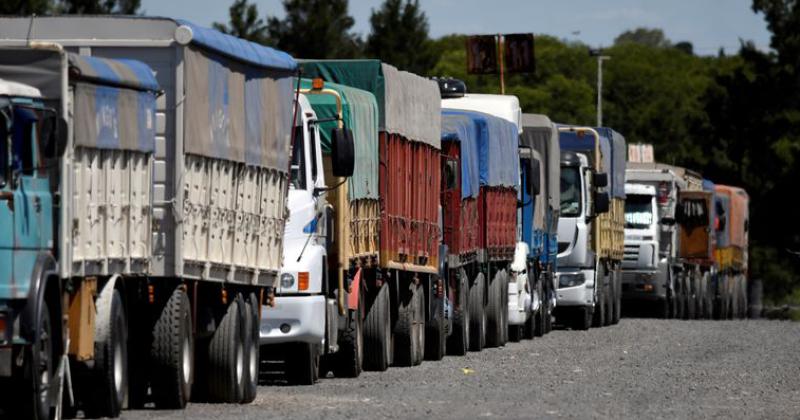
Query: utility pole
600, 58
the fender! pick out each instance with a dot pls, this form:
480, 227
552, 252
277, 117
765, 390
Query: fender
44, 269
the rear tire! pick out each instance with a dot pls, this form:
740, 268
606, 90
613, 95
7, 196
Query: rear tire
458, 342
534, 326
477, 314
599, 313
583, 318
617, 284
435, 333
408, 346
515, 332
378, 333
226, 357
348, 362
252, 327
172, 353
109, 379
303, 364
494, 316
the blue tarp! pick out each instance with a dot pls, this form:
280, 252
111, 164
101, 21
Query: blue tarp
460, 127
498, 149
239, 49
114, 104
612, 148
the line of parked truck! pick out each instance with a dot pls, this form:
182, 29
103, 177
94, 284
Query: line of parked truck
178, 205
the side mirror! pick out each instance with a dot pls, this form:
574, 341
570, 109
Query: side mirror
55, 128
600, 179
534, 180
342, 152
668, 221
601, 203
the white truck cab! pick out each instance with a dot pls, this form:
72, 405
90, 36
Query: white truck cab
301, 309
576, 261
644, 267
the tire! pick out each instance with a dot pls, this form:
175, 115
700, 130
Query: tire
504, 309
420, 325
548, 314
435, 333
378, 333
583, 318
252, 329
458, 342
691, 298
37, 373
599, 315
534, 326
407, 350
226, 361
303, 364
609, 298
109, 379
617, 297
477, 314
494, 309
515, 333
172, 353
663, 308
349, 360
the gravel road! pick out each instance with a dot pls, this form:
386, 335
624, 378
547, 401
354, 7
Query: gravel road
641, 368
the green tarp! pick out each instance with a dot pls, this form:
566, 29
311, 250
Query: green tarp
360, 114
409, 105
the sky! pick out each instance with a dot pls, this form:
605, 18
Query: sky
708, 24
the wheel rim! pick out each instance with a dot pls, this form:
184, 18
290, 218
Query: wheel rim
239, 362
187, 358
44, 363
118, 367
253, 362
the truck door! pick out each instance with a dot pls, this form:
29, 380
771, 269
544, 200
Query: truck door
451, 194
25, 203
695, 220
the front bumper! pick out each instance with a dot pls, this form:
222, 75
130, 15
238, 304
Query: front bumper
643, 285
580, 295
519, 304
294, 319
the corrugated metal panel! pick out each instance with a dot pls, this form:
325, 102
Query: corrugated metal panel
497, 215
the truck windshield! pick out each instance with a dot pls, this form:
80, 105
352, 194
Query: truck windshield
298, 172
638, 211
570, 191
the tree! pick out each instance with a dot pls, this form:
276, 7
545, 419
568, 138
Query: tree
98, 7
399, 36
315, 29
245, 23
645, 36
25, 7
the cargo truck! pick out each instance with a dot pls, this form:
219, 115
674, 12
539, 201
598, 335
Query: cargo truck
183, 243
539, 222
590, 226
730, 252
668, 261
387, 218
500, 252
304, 326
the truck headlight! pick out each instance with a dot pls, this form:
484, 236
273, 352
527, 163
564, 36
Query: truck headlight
570, 280
287, 281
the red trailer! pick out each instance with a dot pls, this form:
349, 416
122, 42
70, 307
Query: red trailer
398, 283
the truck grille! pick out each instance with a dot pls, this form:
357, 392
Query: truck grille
631, 253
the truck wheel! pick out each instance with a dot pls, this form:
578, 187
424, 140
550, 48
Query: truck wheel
583, 318
37, 374
252, 328
420, 325
110, 376
458, 342
494, 317
436, 335
599, 315
378, 333
406, 330
226, 357
504, 309
609, 298
303, 364
348, 361
172, 353
534, 326
477, 314
617, 284
663, 308
548, 314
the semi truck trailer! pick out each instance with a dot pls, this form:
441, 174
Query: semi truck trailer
183, 293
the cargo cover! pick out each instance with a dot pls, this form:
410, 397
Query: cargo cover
461, 127
541, 134
406, 101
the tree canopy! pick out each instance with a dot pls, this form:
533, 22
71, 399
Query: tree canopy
399, 36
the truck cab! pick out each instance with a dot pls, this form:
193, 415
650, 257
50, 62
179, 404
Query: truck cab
576, 259
643, 264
